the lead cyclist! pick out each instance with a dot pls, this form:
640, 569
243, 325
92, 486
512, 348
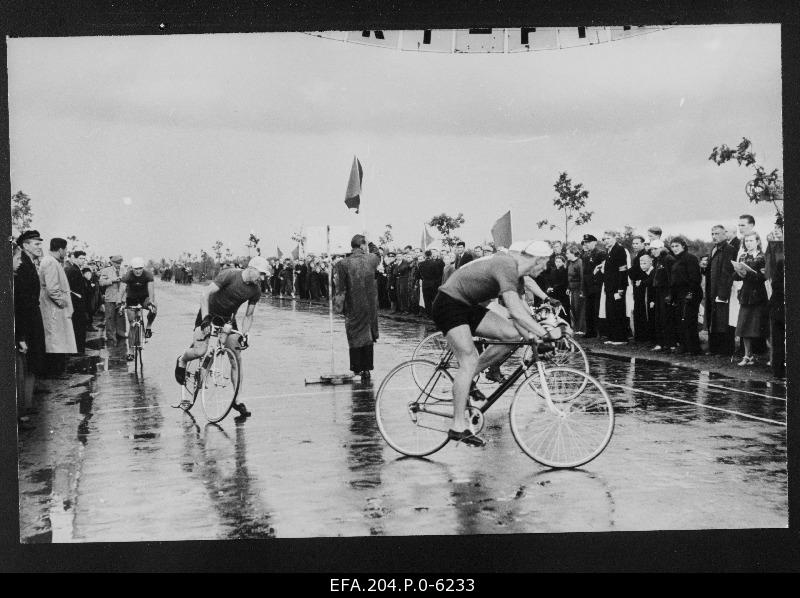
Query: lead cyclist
222, 298
459, 312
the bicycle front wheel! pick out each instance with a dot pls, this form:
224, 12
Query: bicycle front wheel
220, 384
567, 353
563, 418
411, 418
136, 345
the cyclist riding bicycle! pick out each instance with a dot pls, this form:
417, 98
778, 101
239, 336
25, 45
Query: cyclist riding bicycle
137, 287
221, 299
460, 312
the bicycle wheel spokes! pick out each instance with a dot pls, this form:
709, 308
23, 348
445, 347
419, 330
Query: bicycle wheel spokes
433, 348
411, 417
570, 354
219, 386
571, 428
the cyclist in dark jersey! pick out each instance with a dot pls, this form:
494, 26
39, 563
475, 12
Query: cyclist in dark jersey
222, 298
138, 289
459, 312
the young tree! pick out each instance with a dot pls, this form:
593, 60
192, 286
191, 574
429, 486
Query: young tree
765, 186
21, 213
572, 201
387, 237
252, 243
446, 225
217, 249
74, 244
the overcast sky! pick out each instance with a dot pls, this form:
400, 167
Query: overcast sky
154, 145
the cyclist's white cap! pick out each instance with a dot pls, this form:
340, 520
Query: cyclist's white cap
534, 248
656, 244
260, 264
137, 262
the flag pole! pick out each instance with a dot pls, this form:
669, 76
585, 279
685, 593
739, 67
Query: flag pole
331, 378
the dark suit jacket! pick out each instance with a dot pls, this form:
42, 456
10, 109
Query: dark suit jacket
465, 258
615, 276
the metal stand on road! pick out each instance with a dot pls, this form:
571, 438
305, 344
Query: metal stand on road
331, 378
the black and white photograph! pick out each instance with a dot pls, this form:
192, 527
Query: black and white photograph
407, 283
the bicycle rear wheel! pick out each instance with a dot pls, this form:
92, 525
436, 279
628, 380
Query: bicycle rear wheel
220, 384
564, 420
411, 417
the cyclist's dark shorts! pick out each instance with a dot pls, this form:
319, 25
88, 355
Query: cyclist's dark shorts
448, 313
199, 320
131, 301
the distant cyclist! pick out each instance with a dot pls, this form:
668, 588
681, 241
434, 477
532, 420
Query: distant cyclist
222, 298
459, 312
137, 287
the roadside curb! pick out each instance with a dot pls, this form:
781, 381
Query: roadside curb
701, 363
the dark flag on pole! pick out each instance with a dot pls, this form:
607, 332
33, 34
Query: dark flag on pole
352, 197
501, 231
280, 253
427, 238
296, 252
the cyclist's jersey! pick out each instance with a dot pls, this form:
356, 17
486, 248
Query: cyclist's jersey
136, 287
479, 281
233, 292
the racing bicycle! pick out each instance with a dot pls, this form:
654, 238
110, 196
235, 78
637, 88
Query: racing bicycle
216, 376
560, 416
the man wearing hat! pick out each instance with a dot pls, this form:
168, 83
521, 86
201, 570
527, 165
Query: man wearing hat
78, 289
28, 326
55, 303
459, 312
593, 256
357, 292
113, 298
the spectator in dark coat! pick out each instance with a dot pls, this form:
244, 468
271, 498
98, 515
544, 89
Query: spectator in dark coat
430, 272
753, 307
28, 326
575, 289
593, 257
664, 310
78, 290
357, 292
686, 295
615, 285
719, 280
637, 277
559, 283
777, 314
462, 256
648, 330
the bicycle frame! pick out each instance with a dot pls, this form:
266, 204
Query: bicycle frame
520, 371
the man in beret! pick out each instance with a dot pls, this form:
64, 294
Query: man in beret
111, 281
77, 284
357, 293
55, 302
593, 282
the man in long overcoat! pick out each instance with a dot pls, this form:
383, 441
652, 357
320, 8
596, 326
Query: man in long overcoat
79, 296
357, 291
719, 281
55, 304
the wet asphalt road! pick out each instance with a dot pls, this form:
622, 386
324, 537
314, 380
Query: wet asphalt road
109, 459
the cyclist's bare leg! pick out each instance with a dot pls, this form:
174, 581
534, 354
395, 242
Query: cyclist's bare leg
129, 340
460, 341
197, 349
496, 327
